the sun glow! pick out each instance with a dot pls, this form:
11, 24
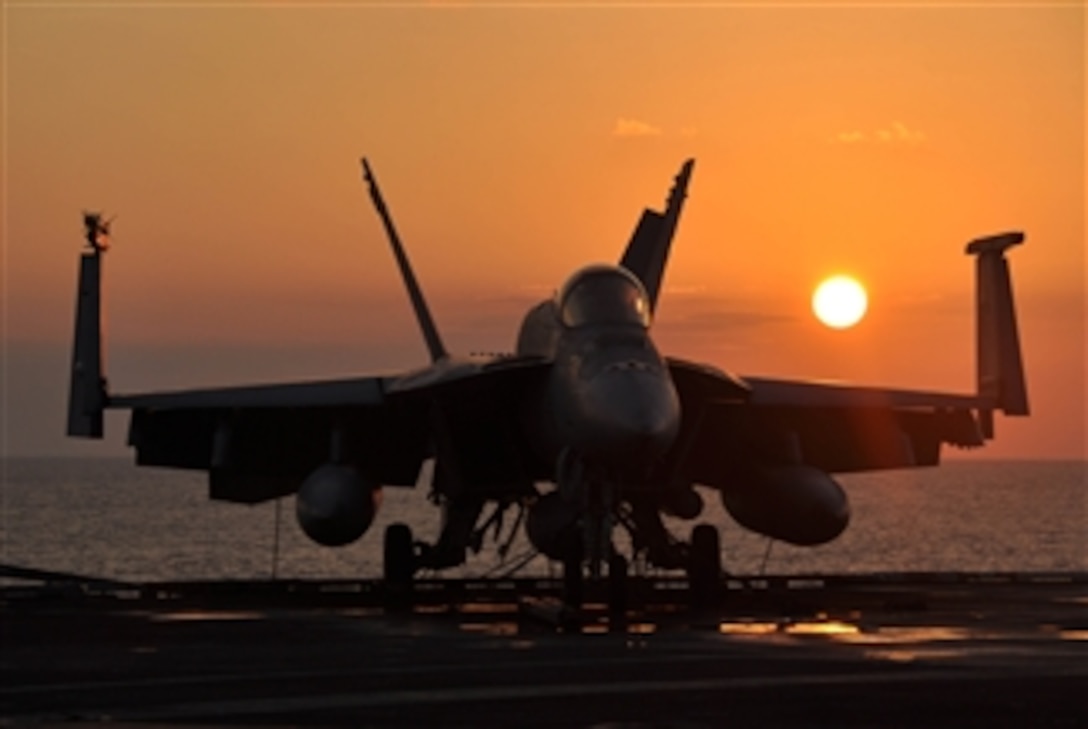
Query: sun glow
840, 302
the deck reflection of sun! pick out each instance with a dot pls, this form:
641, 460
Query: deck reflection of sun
840, 302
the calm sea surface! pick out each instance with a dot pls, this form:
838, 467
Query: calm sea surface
108, 518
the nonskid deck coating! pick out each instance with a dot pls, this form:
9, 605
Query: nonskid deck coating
941, 651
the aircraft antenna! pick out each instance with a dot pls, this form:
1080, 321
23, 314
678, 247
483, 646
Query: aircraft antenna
766, 557
276, 538
423, 314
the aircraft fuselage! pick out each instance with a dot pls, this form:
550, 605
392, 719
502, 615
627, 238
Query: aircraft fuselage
609, 400
612, 398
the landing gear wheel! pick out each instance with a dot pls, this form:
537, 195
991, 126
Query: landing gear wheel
399, 558
617, 589
705, 565
573, 578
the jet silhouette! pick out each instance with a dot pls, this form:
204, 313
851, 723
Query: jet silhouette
586, 402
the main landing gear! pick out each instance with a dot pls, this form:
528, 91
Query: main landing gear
700, 559
590, 547
585, 549
704, 565
398, 557
399, 565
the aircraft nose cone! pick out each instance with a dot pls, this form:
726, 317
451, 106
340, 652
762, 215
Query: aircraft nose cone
638, 414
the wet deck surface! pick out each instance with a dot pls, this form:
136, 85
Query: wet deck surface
883, 652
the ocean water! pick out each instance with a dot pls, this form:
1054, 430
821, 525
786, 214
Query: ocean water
108, 518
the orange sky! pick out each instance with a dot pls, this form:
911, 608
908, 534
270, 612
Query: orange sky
515, 144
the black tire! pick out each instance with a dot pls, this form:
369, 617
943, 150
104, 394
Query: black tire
398, 556
573, 578
617, 587
705, 565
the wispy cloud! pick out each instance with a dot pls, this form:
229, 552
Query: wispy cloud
685, 290
634, 128
901, 133
896, 133
724, 320
697, 310
849, 137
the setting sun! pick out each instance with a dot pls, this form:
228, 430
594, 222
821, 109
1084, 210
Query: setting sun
827, 140
840, 302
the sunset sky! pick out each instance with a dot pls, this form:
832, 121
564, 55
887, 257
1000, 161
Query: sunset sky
515, 144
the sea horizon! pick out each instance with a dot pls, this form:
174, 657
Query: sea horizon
107, 517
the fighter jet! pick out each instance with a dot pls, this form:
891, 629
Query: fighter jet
585, 429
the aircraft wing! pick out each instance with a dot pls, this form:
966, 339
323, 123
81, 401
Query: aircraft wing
259, 442
842, 428
836, 428
766, 392
357, 391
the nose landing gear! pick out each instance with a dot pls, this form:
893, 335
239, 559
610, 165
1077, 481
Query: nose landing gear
602, 505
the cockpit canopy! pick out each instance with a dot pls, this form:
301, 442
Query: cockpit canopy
603, 294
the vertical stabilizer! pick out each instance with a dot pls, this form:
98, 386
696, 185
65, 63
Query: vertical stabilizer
423, 314
87, 395
648, 250
1000, 366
